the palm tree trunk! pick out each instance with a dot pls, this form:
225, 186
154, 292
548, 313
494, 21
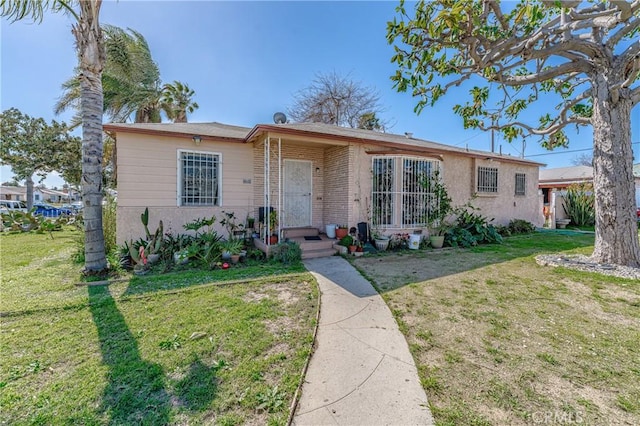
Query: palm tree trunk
92, 58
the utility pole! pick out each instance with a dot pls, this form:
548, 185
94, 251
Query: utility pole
493, 124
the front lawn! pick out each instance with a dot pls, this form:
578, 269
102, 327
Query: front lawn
500, 340
174, 349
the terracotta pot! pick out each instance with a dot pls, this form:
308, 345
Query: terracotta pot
352, 248
341, 233
273, 239
235, 258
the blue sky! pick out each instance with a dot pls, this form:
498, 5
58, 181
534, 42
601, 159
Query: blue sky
245, 61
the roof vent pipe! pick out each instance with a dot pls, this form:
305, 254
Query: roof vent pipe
408, 135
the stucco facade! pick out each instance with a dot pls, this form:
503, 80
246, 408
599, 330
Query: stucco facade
336, 162
148, 177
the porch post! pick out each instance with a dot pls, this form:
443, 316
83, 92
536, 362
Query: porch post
279, 188
266, 188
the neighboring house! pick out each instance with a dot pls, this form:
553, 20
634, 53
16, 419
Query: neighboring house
40, 195
15, 193
52, 196
554, 182
311, 174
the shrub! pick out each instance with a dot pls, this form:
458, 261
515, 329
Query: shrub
399, 241
579, 204
480, 231
520, 226
109, 224
477, 227
346, 241
459, 237
288, 253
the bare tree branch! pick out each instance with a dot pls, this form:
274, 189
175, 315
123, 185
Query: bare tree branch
333, 99
519, 80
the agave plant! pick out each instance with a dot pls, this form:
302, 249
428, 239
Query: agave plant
579, 204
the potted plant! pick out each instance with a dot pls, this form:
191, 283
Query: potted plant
381, 240
250, 222
341, 231
438, 210
181, 257
348, 242
234, 229
437, 233
231, 249
273, 226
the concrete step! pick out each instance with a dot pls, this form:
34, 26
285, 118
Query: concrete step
312, 254
292, 233
305, 245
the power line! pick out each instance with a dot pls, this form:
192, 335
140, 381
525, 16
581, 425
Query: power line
567, 152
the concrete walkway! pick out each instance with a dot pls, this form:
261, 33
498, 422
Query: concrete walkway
361, 372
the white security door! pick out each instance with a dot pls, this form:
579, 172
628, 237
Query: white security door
297, 194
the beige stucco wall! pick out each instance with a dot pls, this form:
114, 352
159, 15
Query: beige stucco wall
459, 174
148, 177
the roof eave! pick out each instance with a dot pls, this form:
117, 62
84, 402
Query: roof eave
156, 132
266, 128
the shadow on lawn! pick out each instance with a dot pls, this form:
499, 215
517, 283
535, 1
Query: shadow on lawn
135, 393
390, 271
186, 278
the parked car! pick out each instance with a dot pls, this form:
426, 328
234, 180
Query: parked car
76, 207
47, 210
13, 206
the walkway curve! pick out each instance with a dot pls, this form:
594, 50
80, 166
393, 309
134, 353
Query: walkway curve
361, 372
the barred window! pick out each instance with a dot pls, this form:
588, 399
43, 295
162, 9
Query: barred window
199, 179
401, 195
521, 184
383, 191
488, 179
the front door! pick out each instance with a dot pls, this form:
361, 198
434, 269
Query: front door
297, 194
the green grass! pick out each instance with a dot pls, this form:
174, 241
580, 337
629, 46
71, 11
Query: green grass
174, 349
531, 340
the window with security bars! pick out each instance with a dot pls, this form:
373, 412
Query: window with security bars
199, 179
383, 195
488, 179
401, 195
521, 184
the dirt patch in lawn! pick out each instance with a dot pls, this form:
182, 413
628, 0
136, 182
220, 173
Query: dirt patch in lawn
499, 339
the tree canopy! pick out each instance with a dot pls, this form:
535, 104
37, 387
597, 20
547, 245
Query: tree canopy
576, 61
32, 147
177, 101
91, 58
338, 100
131, 83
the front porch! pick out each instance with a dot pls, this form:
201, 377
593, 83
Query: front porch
312, 243
307, 184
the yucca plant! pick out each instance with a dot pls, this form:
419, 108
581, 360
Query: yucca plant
579, 204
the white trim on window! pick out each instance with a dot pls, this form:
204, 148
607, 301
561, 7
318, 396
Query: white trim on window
202, 162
